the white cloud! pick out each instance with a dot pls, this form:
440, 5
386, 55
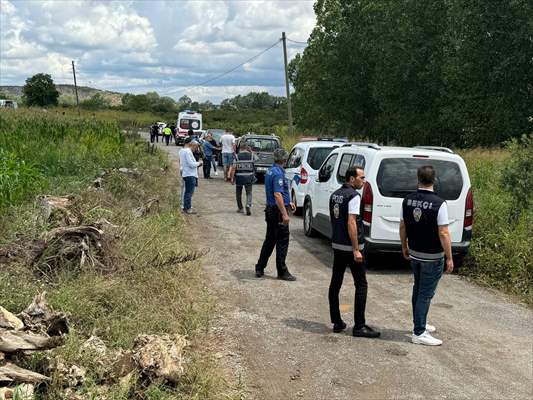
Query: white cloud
155, 45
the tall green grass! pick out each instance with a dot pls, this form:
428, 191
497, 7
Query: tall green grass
501, 253
47, 150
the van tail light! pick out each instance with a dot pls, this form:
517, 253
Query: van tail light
469, 210
368, 199
304, 176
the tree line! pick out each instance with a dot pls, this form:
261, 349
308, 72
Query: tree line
453, 72
40, 90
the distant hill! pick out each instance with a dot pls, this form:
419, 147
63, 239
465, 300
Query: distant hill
67, 93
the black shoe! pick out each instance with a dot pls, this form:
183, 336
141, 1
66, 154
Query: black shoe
366, 331
339, 327
259, 273
248, 211
287, 277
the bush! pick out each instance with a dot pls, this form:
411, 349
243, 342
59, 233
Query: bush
17, 178
517, 177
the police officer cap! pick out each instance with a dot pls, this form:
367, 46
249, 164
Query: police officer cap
280, 155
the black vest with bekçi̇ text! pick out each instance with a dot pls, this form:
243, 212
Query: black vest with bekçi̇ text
420, 212
338, 214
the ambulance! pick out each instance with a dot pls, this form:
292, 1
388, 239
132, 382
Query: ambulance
188, 119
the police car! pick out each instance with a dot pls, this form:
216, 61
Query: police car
302, 167
391, 174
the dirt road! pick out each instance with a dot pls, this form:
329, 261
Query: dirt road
279, 340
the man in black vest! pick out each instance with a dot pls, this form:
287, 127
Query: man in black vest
347, 242
243, 175
425, 241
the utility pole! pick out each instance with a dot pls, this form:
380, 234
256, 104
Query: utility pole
289, 109
76, 87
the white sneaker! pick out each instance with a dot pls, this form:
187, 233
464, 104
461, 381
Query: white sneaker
216, 173
426, 339
430, 328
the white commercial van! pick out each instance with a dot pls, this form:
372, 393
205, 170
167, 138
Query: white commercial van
391, 175
188, 120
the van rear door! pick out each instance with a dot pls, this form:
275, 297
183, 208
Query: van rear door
396, 178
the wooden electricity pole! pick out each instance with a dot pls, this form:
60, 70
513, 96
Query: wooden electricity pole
289, 109
76, 87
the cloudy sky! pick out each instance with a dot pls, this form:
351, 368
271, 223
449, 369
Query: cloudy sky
140, 46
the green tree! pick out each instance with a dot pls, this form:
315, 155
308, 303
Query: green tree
96, 102
40, 90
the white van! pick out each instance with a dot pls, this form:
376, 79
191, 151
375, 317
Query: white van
188, 120
305, 159
8, 104
391, 175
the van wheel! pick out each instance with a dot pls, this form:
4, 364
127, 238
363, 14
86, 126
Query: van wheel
309, 231
298, 210
458, 263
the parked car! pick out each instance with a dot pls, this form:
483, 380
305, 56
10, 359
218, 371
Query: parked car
263, 146
391, 175
305, 159
8, 104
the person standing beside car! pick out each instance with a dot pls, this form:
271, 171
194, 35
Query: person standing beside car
208, 155
277, 218
228, 153
243, 176
189, 172
347, 242
425, 241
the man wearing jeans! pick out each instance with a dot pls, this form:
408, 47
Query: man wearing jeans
425, 241
189, 172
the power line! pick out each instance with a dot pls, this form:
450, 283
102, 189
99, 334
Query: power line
251, 59
296, 41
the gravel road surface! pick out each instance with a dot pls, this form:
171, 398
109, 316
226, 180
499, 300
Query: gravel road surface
277, 337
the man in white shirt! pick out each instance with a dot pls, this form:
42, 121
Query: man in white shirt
189, 173
228, 153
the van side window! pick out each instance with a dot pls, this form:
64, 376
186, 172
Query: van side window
359, 160
346, 161
327, 169
295, 158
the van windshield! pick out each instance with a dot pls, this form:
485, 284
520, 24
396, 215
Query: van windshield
260, 144
397, 177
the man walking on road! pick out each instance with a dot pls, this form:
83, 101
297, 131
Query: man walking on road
425, 241
347, 242
189, 172
228, 153
277, 218
243, 175
167, 133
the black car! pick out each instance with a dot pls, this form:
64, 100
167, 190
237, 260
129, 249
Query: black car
263, 146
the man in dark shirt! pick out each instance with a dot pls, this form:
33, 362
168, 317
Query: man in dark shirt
243, 176
347, 242
277, 218
425, 241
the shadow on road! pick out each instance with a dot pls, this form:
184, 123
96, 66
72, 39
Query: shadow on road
248, 275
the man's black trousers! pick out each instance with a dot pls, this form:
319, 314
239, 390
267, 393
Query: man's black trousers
277, 235
341, 260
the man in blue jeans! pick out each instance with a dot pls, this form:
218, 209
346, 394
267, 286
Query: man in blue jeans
189, 173
425, 241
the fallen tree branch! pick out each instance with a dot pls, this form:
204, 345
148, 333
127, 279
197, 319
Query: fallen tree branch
11, 373
15, 341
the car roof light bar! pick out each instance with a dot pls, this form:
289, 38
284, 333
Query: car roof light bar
436, 148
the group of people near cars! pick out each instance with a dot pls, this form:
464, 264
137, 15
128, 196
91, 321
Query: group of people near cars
424, 232
167, 132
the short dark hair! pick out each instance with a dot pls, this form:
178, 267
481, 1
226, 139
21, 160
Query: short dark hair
190, 132
187, 140
352, 171
426, 175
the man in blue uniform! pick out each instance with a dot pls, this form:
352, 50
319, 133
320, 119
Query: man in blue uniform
277, 218
425, 241
347, 242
